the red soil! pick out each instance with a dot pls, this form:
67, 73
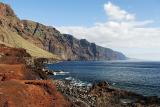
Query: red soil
35, 93
14, 52
16, 71
20, 86
10, 55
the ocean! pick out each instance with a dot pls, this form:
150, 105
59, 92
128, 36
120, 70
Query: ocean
139, 77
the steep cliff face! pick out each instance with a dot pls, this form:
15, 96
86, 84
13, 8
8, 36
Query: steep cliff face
67, 46
50, 39
84, 50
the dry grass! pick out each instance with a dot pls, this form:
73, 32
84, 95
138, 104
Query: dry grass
15, 40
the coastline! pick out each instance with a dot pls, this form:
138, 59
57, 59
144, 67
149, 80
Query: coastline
102, 94
26, 46
28, 82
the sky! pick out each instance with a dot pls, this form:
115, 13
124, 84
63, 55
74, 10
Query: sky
129, 26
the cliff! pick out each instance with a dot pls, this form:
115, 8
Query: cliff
37, 39
13, 35
67, 46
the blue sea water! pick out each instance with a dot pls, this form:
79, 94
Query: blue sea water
139, 77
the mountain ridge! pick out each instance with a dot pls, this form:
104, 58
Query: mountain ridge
50, 39
67, 46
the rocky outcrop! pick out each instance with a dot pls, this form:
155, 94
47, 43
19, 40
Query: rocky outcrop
12, 55
15, 52
108, 96
5, 10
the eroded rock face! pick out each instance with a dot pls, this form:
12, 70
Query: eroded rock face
9, 19
5, 10
68, 47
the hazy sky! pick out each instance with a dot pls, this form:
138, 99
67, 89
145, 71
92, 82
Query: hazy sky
129, 26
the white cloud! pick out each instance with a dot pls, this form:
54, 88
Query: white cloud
115, 13
121, 32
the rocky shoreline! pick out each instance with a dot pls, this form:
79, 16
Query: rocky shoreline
79, 95
103, 95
